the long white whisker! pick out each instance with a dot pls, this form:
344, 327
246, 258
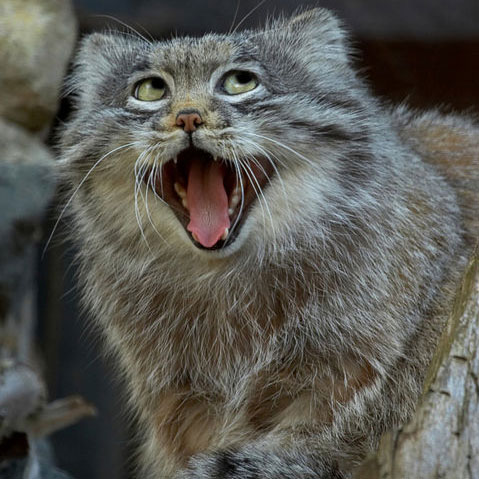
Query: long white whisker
267, 154
259, 194
240, 179
148, 186
158, 173
282, 145
138, 171
142, 37
264, 151
67, 204
248, 15
234, 17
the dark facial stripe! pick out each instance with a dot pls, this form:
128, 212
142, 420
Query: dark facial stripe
331, 132
340, 102
357, 171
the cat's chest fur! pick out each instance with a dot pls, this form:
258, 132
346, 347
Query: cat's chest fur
234, 338
230, 365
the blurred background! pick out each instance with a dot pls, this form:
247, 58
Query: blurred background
423, 52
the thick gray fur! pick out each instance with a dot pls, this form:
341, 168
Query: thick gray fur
327, 307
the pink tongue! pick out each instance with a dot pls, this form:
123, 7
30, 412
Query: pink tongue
207, 202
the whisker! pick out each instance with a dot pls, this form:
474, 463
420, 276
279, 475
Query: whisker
248, 15
234, 17
284, 146
67, 204
142, 37
158, 172
138, 183
240, 179
259, 194
148, 186
266, 154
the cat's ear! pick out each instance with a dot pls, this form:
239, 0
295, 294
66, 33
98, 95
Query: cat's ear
320, 29
96, 47
89, 63
94, 60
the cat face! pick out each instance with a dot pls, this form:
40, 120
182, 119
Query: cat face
215, 142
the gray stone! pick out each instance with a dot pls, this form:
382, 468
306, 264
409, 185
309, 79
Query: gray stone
36, 41
27, 185
39, 464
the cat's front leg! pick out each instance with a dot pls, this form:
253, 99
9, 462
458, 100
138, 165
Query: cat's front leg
260, 463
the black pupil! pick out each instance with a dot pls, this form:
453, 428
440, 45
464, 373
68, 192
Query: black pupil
157, 83
243, 77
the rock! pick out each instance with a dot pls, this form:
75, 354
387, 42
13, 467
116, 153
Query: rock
27, 185
39, 464
36, 41
21, 395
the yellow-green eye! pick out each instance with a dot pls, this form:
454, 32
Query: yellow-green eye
151, 89
239, 82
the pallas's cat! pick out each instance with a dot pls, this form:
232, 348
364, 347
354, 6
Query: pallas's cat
268, 250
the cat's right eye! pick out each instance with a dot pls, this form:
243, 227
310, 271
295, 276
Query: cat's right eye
150, 89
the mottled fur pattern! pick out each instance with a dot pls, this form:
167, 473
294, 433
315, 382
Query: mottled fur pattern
290, 351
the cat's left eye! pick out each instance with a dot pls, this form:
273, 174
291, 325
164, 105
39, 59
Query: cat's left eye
239, 82
151, 89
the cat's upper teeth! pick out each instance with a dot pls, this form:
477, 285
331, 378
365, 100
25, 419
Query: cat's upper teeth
175, 160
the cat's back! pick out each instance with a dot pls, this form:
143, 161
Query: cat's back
451, 143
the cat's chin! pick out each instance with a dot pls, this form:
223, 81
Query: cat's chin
210, 196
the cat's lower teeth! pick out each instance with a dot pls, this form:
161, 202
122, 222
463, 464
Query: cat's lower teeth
184, 203
225, 234
234, 200
180, 191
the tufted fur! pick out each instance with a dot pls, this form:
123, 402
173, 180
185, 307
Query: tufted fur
288, 352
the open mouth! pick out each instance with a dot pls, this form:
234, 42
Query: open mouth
209, 196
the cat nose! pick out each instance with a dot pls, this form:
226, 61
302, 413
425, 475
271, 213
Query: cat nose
189, 120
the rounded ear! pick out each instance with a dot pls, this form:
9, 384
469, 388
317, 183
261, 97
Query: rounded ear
319, 25
96, 47
98, 55
90, 62
95, 42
